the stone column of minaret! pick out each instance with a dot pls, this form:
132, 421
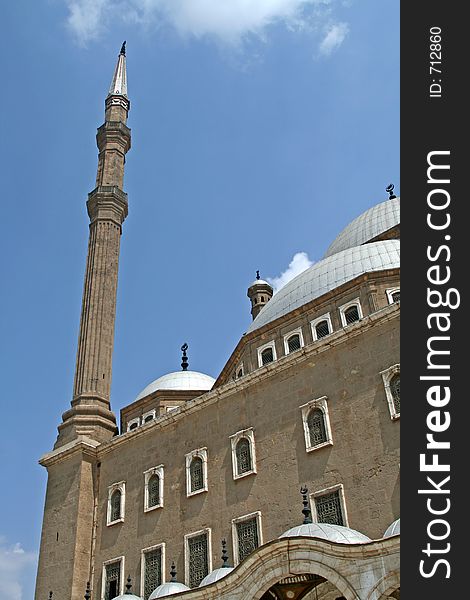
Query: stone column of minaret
67, 540
90, 414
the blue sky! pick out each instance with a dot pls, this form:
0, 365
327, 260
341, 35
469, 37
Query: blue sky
259, 130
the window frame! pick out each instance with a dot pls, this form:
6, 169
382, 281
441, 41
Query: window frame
286, 337
159, 471
320, 403
264, 347
390, 293
118, 559
343, 308
201, 453
142, 564
152, 412
339, 487
254, 515
326, 317
121, 486
135, 421
248, 434
387, 377
208, 532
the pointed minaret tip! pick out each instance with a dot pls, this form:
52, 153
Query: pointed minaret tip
118, 85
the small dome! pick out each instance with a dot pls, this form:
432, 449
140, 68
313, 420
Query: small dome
393, 529
128, 597
168, 589
179, 380
259, 282
326, 531
215, 575
328, 274
372, 223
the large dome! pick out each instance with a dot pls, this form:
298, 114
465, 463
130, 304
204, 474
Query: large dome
179, 380
328, 274
327, 531
372, 223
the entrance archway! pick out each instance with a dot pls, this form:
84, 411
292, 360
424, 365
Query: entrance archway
303, 587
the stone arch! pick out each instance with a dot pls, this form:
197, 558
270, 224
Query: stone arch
266, 572
385, 586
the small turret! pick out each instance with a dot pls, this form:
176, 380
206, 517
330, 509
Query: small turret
260, 293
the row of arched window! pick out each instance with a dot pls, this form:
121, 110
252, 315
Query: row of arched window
321, 327
317, 433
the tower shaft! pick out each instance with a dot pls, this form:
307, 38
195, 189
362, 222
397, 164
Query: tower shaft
90, 413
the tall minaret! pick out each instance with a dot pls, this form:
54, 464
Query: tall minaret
90, 414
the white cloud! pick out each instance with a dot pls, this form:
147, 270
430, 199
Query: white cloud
299, 263
228, 21
16, 566
333, 39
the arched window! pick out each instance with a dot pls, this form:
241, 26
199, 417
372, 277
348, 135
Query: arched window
391, 379
240, 373
267, 356
316, 427
243, 454
396, 296
395, 390
154, 491
351, 314
322, 329
293, 343
115, 506
196, 474
133, 426
148, 418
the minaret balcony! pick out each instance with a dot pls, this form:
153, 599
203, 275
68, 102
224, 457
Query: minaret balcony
107, 202
111, 133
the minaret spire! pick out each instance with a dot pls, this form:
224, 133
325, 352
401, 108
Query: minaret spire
119, 83
90, 414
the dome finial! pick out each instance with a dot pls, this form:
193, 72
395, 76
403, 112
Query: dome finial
257, 275
128, 585
389, 189
87, 595
173, 571
50, 595
224, 554
184, 363
123, 48
306, 511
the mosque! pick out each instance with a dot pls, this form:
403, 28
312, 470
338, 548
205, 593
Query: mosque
277, 480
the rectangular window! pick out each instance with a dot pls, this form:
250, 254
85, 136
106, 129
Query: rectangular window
152, 571
112, 580
198, 559
247, 536
328, 507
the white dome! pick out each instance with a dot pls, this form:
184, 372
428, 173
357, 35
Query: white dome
128, 597
215, 575
168, 589
326, 531
328, 274
393, 529
368, 226
179, 380
259, 282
